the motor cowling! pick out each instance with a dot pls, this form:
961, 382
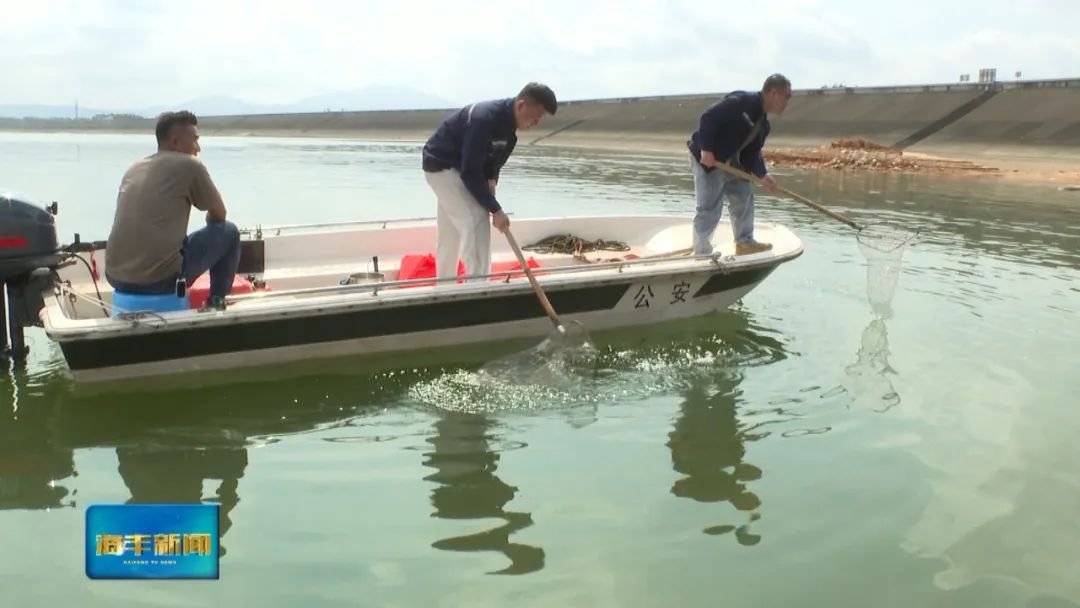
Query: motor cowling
29, 251
28, 238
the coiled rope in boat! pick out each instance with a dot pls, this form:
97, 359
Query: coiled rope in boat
571, 244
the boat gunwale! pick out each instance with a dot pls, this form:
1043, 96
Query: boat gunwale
342, 298
101, 328
504, 276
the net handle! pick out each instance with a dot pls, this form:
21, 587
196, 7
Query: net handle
802, 199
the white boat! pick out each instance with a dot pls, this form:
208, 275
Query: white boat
311, 308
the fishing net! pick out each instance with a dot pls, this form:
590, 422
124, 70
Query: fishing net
883, 247
868, 379
569, 243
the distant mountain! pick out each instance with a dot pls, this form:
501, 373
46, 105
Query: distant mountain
374, 97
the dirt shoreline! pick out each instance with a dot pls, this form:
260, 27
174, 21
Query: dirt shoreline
1057, 166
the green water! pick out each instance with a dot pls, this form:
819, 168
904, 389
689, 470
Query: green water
801, 449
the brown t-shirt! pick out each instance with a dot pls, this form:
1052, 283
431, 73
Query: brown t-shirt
152, 211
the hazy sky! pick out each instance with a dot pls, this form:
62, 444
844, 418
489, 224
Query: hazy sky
127, 53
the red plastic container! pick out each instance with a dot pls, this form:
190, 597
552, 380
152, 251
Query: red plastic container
513, 265
200, 290
422, 266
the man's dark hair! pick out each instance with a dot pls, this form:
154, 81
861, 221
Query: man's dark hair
776, 82
541, 94
167, 120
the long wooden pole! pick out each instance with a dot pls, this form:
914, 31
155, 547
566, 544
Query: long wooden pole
802, 199
540, 295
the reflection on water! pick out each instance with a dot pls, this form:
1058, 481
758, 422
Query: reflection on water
167, 445
708, 447
465, 462
176, 475
191, 446
32, 475
701, 359
868, 379
35, 470
983, 323
709, 436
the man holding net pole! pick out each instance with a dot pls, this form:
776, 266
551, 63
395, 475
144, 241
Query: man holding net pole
882, 245
724, 168
732, 132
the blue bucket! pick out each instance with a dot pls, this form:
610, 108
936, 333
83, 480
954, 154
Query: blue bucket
130, 302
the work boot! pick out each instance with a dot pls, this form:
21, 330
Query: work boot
754, 247
213, 303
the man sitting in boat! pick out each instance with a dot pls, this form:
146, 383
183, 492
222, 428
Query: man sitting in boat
461, 163
148, 249
733, 131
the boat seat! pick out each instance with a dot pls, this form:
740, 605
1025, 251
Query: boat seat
123, 302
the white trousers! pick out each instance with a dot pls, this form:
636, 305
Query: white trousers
464, 226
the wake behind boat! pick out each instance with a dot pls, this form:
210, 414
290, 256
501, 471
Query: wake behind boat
366, 288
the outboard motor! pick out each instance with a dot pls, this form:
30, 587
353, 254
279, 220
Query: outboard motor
29, 252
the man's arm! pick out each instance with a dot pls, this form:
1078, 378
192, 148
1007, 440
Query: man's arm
494, 167
205, 195
474, 150
758, 168
492, 175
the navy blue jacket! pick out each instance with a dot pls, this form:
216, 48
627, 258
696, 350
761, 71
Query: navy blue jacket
724, 127
477, 141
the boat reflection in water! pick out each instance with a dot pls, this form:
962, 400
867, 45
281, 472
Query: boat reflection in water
168, 445
191, 445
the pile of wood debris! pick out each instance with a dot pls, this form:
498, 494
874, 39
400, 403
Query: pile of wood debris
864, 155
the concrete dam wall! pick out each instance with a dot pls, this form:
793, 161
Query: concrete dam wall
1038, 113
1016, 113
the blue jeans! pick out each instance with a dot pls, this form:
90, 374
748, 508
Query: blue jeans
710, 188
214, 247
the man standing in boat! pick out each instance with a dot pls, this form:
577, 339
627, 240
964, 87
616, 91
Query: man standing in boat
461, 163
148, 249
733, 131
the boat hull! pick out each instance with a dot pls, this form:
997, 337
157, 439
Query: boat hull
368, 331
310, 314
